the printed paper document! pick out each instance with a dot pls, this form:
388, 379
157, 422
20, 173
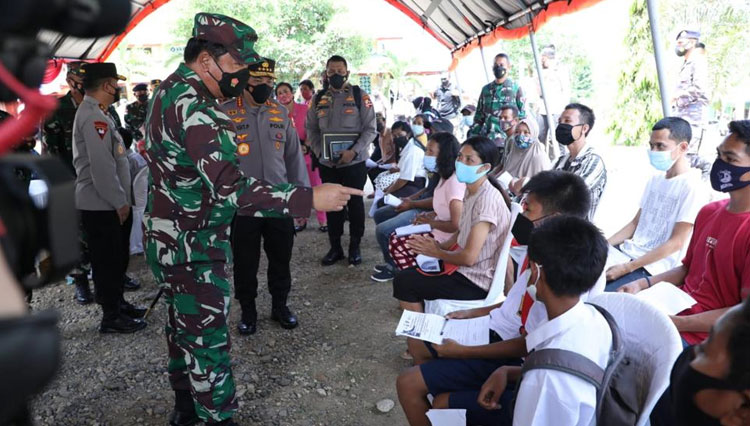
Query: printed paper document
434, 328
667, 298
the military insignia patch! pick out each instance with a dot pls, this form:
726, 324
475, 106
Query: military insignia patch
276, 119
323, 102
238, 119
241, 138
274, 111
101, 128
243, 111
232, 112
350, 99
279, 135
349, 111
367, 101
243, 149
120, 149
278, 146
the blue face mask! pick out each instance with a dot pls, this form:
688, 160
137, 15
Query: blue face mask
417, 129
661, 160
523, 141
469, 174
430, 163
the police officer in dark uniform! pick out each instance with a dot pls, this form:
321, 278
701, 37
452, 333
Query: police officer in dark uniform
342, 109
268, 148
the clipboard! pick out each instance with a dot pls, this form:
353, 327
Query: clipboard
335, 143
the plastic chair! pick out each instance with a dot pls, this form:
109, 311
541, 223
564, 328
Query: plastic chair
650, 340
495, 294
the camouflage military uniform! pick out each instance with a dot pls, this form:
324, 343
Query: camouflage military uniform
690, 98
196, 188
493, 97
58, 131
135, 116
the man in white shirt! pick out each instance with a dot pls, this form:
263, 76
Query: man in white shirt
455, 378
654, 240
566, 255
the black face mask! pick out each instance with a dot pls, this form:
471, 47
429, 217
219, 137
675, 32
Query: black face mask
523, 227
260, 93
564, 133
231, 84
116, 95
78, 88
337, 81
499, 71
686, 383
401, 141
143, 98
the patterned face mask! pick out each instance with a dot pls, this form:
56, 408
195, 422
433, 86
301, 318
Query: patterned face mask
523, 141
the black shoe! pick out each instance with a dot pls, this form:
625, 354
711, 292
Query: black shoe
355, 257
227, 422
285, 317
129, 283
132, 311
323, 228
247, 328
83, 292
249, 319
300, 228
121, 324
182, 418
335, 254
382, 276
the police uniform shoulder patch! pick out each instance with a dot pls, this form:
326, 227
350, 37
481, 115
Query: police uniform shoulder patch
101, 128
366, 100
323, 101
243, 149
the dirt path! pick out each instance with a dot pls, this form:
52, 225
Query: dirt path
331, 370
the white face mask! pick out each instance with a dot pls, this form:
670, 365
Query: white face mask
532, 288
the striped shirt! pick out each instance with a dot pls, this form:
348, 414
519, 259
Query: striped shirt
590, 167
487, 205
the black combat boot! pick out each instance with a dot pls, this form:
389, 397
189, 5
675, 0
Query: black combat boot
184, 410
249, 321
83, 290
280, 313
355, 257
335, 254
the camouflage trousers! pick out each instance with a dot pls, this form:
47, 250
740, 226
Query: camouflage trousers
197, 297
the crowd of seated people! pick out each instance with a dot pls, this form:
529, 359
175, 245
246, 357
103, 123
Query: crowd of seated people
675, 237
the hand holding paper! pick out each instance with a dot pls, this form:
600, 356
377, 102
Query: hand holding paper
667, 298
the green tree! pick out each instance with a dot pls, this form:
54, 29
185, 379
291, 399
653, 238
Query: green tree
637, 105
298, 34
395, 78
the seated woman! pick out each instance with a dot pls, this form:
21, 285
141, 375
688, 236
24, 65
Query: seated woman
474, 248
411, 173
446, 203
524, 154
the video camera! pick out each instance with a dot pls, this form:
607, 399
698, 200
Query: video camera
38, 235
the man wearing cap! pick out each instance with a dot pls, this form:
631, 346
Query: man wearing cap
58, 141
345, 111
196, 188
690, 98
268, 148
135, 113
103, 196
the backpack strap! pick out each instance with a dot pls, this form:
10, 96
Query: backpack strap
357, 92
567, 362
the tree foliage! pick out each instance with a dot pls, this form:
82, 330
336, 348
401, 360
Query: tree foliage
298, 34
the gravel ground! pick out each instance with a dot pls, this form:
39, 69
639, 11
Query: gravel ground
331, 370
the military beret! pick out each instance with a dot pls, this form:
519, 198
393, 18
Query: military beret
238, 38
74, 68
689, 34
97, 70
266, 67
140, 86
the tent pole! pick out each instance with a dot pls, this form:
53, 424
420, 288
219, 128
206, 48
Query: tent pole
484, 62
551, 147
653, 18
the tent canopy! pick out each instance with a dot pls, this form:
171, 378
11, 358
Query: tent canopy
459, 25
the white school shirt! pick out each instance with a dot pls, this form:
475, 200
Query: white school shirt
665, 202
506, 319
550, 397
411, 162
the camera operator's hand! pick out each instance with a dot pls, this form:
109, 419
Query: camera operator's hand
123, 213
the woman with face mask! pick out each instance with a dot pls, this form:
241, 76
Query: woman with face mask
298, 113
524, 155
710, 382
419, 125
412, 175
469, 256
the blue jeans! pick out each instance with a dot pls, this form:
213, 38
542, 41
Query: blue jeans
627, 278
390, 221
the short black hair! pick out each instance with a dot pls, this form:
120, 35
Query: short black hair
739, 350
307, 83
403, 125
485, 148
283, 84
740, 129
560, 192
572, 253
587, 114
502, 55
195, 46
446, 159
700, 45
679, 128
510, 107
337, 58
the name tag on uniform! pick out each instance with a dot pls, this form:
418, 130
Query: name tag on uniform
335, 143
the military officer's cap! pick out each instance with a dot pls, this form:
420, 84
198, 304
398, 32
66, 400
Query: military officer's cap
689, 34
140, 86
238, 38
266, 67
74, 68
155, 82
97, 70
